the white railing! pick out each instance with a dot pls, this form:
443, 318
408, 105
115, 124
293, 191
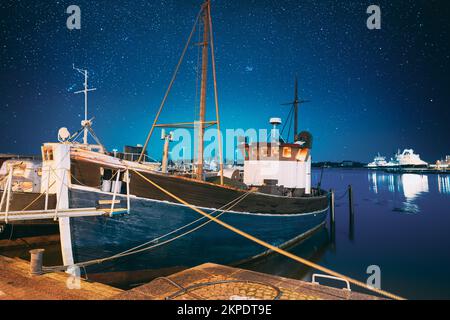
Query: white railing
330, 277
6, 196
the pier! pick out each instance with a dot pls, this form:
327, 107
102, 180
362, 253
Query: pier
204, 282
16, 283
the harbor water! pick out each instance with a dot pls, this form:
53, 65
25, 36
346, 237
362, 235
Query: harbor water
401, 224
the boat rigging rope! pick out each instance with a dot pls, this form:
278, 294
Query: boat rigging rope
174, 76
271, 247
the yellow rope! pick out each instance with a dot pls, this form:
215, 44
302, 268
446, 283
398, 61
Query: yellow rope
271, 247
38, 197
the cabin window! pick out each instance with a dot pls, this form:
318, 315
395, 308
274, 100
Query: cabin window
48, 153
107, 174
275, 152
301, 155
287, 152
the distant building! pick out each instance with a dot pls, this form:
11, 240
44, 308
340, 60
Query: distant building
347, 164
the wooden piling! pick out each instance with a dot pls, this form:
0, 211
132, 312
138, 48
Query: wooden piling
350, 200
351, 213
332, 217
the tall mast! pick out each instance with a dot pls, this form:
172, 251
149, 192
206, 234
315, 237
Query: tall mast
85, 123
296, 108
295, 105
204, 16
201, 121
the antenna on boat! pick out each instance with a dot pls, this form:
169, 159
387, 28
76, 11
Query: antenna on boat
295, 104
86, 124
208, 41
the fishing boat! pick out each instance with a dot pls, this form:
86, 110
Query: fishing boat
22, 175
151, 223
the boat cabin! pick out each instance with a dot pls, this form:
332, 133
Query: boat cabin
279, 165
26, 175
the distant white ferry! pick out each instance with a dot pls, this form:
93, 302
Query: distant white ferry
405, 159
408, 159
378, 162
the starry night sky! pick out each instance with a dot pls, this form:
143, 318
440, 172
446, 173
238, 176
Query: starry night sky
371, 91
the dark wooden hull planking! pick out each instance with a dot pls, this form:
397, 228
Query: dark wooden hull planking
201, 194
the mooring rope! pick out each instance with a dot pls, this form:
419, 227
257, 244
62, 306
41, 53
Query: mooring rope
271, 247
137, 249
342, 196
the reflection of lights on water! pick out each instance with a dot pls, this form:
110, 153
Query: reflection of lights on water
411, 185
408, 207
414, 185
444, 184
373, 179
391, 183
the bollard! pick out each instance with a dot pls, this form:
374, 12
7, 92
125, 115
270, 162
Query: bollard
36, 260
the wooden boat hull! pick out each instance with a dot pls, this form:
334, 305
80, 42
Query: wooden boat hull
200, 194
100, 237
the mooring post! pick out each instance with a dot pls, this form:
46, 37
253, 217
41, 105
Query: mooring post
36, 261
332, 217
351, 213
350, 200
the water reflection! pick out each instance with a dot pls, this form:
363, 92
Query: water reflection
411, 186
444, 184
312, 248
414, 185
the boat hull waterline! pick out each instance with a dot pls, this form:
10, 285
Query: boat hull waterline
102, 237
